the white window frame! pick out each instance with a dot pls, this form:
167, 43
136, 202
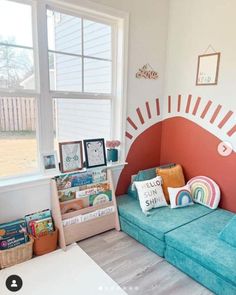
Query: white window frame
44, 96
4, 92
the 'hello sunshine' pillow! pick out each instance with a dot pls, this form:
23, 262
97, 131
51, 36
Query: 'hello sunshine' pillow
150, 194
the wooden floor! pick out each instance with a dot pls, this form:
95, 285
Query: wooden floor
136, 269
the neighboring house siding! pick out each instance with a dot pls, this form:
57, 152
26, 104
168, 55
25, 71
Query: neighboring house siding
81, 119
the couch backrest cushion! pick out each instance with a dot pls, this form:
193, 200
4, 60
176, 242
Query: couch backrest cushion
144, 175
228, 234
172, 177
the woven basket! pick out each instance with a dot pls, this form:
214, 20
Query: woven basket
17, 254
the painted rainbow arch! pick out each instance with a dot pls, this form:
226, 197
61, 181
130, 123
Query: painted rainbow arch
205, 191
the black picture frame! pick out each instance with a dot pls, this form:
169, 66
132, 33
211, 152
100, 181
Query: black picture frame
94, 157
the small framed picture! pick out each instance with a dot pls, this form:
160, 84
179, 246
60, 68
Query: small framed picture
208, 69
95, 153
50, 163
71, 156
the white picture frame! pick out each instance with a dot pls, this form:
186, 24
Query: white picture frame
50, 162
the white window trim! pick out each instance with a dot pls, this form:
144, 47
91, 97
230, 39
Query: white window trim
43, 94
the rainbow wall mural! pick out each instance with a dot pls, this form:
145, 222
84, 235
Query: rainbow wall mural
183, 129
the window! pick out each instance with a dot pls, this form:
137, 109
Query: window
80, 54
16, 46
80, 60
18, 113
59, 79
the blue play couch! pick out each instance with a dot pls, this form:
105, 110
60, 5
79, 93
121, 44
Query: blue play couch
187, 238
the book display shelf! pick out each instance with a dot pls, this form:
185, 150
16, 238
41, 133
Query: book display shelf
83, 204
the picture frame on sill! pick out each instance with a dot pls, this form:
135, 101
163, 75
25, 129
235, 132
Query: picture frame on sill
50, 162
208, 69
71, 156
95, 153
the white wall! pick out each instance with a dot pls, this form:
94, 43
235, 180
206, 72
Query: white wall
147, 44
193, 26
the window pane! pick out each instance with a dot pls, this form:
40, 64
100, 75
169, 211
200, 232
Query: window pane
16, 68
18, 144
78, 119
64, 32
97, 76
97, 39
65, 72
15, 23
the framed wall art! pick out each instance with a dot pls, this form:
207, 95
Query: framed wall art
208, 69
95, 153
71, 156
50, 162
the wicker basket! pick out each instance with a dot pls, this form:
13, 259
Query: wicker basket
17, 254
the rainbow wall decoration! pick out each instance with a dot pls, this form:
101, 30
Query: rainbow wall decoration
205, 191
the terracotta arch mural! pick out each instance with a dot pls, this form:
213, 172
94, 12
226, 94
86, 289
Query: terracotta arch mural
183, 140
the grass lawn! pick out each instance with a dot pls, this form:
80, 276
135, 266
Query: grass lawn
18, 153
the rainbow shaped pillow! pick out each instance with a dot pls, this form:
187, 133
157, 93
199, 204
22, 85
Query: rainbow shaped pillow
180, 196
205, 191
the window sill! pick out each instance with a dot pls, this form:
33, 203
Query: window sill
39, 179
24, 182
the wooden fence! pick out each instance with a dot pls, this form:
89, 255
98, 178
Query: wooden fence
17, 114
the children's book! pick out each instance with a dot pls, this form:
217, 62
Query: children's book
73, 180
100, 198
93, 189
41, 227
11, 241
29, 218
12, 228
99, 175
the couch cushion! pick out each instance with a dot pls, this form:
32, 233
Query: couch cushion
199, 241
172, 177
228, 234
145, 175
161, 220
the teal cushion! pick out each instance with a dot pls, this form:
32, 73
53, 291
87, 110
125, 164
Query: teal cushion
228, 234
199, 241
143, 237
161, 220
192, 268
144, 175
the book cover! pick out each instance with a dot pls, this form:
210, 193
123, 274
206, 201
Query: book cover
13, 241
100, 198
99, 175
73, 180
29, 218
12, 228
67, 195
93, 189
42, 226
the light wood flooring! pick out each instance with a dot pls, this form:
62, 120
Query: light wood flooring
136, 269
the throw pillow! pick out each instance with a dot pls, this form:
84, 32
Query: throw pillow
205, 191
228, 234
180, 196
150, 194
144, 175
172, 177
